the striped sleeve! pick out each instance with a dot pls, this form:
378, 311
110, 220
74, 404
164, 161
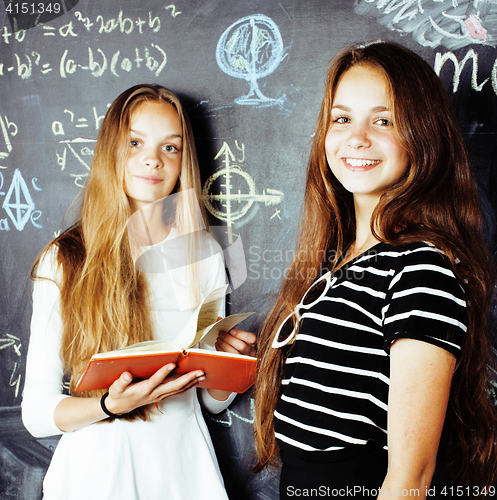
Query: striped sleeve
425, 302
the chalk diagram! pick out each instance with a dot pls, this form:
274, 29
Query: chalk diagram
77, 152
229, 203
250, 49
77, 157
451, 23
18, 203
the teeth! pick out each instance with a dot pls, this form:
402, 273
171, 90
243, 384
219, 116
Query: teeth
355, 162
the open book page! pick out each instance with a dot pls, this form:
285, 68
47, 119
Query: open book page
206, 314
147, 347
209, 334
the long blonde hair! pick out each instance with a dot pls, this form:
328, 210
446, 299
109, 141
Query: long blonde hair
104, 299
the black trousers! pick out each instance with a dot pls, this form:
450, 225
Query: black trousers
356, 472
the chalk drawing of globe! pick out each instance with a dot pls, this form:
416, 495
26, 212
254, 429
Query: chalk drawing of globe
250, 49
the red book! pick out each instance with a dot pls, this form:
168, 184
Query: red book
223, 370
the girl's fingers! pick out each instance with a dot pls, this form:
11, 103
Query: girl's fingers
177, 384
160, 375
237, 341
248, 337
161, 385
122, 382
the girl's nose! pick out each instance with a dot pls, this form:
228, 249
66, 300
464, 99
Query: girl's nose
359, 137
153, 159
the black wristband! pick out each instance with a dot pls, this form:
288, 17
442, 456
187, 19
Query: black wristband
106, 411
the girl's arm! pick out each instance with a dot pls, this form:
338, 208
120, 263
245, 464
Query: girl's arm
420, 379
46, 411
43, 383
74, 413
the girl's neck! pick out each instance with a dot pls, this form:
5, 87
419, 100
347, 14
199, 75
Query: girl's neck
151, 225
364, 238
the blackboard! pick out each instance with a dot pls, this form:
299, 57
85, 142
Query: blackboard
252, 122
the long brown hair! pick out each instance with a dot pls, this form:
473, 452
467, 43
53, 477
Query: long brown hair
104, 299
436, 201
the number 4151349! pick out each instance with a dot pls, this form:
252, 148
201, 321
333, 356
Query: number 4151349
469, 491
33, 8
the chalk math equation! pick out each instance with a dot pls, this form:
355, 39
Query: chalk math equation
26, 64
74, 153
99, 25
96, 62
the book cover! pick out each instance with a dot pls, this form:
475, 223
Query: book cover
223, 371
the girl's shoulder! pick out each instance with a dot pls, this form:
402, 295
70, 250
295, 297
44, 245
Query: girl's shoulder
65, 249
419, 262
420, 253
389, 260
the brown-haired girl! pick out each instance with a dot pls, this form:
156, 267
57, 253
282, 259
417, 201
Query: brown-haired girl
143, 440
364, 372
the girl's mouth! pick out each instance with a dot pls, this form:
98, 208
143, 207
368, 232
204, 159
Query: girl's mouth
149, 179
361, 164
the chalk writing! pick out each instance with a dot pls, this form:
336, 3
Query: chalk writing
230, 414
441, 59
98, 62
15, 382
74, 28
173, 10
453, 24
11, 341
77, 154
122, 24
7, 129
80, 122
250, 49
226, 204
6, 35
18, 204
78, 151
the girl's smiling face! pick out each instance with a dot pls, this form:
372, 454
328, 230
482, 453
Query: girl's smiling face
362, 144
154, 162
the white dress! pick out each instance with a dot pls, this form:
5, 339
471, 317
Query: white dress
170, 457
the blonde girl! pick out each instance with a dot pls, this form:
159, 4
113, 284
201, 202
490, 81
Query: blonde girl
140, 440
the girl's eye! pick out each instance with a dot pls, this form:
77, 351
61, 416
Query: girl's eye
384, 122
134, 143
342, 120
170, 148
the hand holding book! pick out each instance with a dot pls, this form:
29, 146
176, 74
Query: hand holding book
227, 371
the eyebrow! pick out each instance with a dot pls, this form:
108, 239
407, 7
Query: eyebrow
170, 136
376, 109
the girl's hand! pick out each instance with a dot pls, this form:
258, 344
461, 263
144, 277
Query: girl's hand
125, 396
237, 341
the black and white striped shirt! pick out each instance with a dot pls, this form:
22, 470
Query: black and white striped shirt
336, 380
